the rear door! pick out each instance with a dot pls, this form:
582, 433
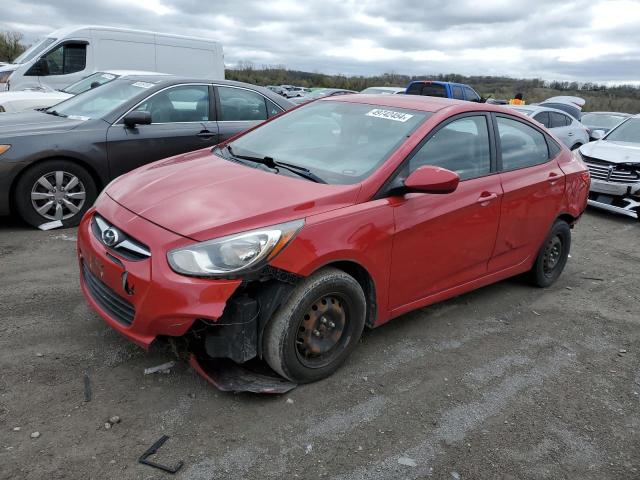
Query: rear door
533, 186
181, 118
239, 109
561, 128
443, 241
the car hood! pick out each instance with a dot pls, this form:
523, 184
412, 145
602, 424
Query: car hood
616, 152
32, 95
202, 196
29, 123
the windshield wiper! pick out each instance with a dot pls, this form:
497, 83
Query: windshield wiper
272, 163
53, 112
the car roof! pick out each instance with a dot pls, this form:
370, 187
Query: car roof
164, 79
622, 114
412, 102
539, 108
131, 72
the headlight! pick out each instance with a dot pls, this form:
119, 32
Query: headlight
4, 148
233, 254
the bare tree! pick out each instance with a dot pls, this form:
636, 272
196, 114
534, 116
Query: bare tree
10, 45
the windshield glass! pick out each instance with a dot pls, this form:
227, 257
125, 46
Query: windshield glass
98, 102
342, 143
92, 81
34, 51
601, 120
629, 131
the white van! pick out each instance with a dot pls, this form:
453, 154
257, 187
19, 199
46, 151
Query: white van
70, 54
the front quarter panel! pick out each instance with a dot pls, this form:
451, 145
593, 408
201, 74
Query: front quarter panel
360, 234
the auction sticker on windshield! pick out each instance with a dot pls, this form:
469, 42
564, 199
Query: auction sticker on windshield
389, 115
142, 84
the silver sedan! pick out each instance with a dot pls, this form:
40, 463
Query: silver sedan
568, 130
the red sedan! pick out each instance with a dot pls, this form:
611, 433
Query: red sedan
284, 242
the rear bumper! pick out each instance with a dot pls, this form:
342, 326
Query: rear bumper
144, 299
630, 210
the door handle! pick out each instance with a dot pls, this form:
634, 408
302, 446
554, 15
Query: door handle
570, 134
486, 197
205, 134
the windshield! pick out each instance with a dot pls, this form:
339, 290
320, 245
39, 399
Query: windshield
601, 120
34, 51
92, 81
98, 102
628, 131
340, 142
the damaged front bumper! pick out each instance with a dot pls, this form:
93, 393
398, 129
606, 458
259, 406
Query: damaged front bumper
615, 197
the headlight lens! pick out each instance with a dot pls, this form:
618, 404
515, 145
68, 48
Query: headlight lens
4, 148
234, 254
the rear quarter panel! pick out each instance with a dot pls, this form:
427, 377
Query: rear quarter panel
577, 184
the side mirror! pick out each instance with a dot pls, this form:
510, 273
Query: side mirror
137, 118
430, 179
597, 134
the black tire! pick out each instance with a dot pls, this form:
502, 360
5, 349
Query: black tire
552, 256
28, 185
288, 338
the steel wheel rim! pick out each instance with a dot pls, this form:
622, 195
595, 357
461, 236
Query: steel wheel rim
552, 254
321, 332
58, 195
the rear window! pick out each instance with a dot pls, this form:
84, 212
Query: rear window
427, 89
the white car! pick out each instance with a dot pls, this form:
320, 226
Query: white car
30, 99
614, 164
384, 90
569, 130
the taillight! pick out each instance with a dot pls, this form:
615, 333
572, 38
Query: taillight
586, 177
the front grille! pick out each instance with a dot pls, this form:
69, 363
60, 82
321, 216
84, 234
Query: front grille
611, 172
112, 303
126, 246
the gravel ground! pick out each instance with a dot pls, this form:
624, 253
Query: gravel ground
508, 382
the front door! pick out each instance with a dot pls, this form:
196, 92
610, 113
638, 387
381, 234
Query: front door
180, 122
443, 241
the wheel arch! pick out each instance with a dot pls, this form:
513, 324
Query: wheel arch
364, 278
99, 181
567, 217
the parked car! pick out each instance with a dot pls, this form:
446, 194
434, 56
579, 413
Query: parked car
569, 130
604, 121
566, 103
53, 163
22, 100
321, 93
277, 89
392, 203
458, 91
614, 163
292, 92
383, 90
70, 54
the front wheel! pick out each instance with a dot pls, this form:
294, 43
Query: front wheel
54, 190
552, 256
315, 330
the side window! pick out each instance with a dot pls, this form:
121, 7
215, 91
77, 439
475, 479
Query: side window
415, 89
471, 95
185, 103
461, 146
543, 118
457, 93
521, 145
559, 120
238, 104
67, 58
273, 109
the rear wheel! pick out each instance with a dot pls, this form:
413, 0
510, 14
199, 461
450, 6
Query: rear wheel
54, 190
552, 256
317, 328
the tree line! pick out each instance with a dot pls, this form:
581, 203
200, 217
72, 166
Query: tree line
11, 46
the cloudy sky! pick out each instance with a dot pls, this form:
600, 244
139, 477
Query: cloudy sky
585, 40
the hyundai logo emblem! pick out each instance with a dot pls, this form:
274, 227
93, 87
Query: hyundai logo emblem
110, 237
